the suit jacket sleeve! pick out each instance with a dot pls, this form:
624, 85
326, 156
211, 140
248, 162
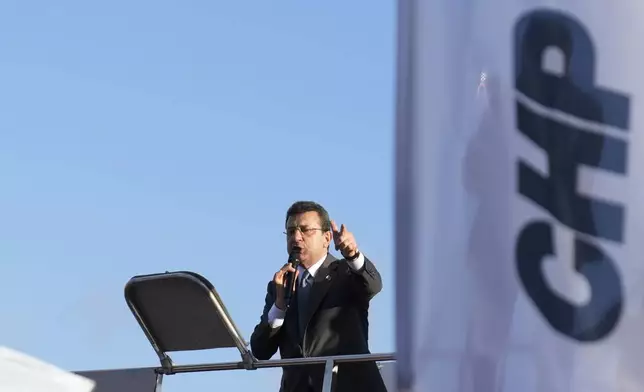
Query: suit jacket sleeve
367, 279
264, 340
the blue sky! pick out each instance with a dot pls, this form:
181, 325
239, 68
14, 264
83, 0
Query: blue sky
144, 136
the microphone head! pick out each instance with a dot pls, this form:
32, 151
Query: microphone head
294, 256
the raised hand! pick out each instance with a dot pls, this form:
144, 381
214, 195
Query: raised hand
344, 241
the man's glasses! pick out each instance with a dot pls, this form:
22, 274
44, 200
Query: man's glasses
303, 230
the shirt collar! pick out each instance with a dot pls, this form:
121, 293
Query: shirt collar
314, 268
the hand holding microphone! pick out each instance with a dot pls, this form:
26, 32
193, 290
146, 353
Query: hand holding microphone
285, 280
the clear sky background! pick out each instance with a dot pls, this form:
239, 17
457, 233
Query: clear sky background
144, 136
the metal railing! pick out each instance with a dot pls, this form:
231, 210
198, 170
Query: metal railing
329, 362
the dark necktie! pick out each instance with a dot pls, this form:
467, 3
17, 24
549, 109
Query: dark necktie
304, 289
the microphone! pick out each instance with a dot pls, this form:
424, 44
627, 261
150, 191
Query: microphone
294, 260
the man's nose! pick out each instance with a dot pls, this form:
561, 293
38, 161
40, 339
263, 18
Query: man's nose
297, 236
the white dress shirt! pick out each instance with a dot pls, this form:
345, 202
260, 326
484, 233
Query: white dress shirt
276, 315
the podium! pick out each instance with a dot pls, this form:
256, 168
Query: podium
182, 311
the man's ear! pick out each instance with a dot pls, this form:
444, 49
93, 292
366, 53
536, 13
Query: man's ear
328, 237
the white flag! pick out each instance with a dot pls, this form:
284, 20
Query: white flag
520, 196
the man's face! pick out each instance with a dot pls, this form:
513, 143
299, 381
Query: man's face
305, 231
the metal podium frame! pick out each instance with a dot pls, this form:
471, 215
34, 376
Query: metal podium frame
182, 311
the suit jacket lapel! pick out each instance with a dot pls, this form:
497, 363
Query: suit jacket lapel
322, 282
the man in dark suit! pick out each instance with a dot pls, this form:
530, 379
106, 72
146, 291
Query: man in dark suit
328, 312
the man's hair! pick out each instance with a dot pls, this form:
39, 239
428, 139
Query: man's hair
300, 207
